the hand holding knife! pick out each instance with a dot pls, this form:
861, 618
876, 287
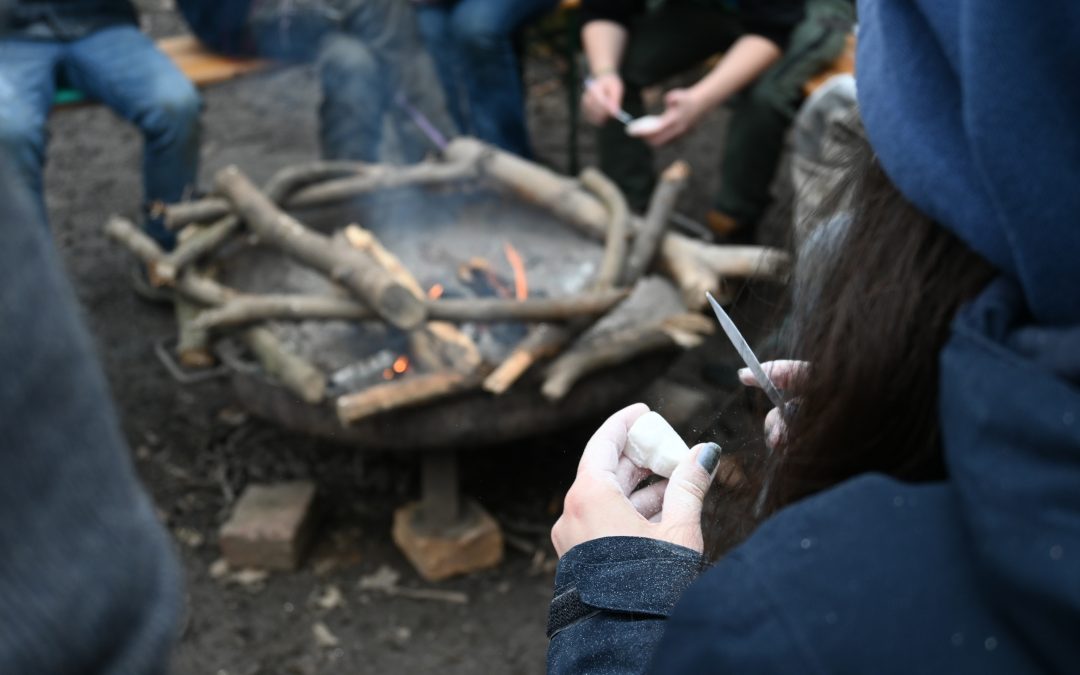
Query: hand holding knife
748, 355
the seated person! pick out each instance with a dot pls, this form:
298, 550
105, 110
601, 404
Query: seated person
628, 50
369, 56
96, 46
472, 42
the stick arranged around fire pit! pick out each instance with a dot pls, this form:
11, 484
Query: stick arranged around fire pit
384, 290
353, 269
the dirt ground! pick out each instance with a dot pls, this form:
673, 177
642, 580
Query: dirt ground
196, 450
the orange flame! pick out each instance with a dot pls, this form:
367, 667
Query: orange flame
521, 282
401, 364
436, 292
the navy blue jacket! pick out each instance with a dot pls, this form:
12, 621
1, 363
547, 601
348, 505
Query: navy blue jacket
64, 19
977, 574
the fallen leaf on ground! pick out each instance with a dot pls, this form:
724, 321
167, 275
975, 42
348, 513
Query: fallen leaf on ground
249, 576
219, 568
323, 637
331, 598
383, 579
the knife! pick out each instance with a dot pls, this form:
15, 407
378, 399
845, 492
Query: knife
747, 354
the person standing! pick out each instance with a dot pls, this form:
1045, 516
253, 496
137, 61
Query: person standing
96, 47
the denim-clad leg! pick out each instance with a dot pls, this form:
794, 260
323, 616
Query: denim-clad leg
27, 84
389, 29
123, 69
434, 24
476, 38
354, 100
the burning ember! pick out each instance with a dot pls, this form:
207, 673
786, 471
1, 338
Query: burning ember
399, 367
436, 292
521, 282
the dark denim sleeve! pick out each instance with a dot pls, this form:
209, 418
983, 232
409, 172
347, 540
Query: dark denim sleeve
88, 580
612, 597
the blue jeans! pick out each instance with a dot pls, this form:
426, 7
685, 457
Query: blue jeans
472, 42
122, 68
368, 55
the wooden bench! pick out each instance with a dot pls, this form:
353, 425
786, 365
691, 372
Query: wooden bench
202, 66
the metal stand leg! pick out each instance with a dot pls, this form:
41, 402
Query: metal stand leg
440, 497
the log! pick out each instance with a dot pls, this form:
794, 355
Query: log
352, 269
590, 304
408, 391
200, 244
651, 318
683, 331
364, 240
436, 344
558, 194
278, 189
375, 178
250, 309
192, 350
241, 310
698, 267
441, 346
654, 226
296, 373
615, 245
564, 198
548, 339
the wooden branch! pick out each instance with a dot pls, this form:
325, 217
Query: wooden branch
240, 309
698, 267
441, 346
436, 344
615, 244
375, 178
278, 189
594, 303
547, 340
564, 198
255, 308
365, 241
352, 269
533, 183
192, 350
654, 226
296, 373
683, 331
200, 244
408, 391
205, 210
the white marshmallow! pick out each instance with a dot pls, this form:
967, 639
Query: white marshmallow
652, 444
643, 126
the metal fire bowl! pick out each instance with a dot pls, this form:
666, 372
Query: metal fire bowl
464, 421
432, 230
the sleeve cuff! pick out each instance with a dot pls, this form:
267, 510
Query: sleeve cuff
625, 575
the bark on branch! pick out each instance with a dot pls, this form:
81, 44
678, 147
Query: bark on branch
352, 269
299, 376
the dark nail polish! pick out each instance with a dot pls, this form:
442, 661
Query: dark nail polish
709, 458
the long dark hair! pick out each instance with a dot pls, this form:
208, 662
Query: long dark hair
872, 328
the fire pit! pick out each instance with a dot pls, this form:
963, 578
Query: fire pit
451, 304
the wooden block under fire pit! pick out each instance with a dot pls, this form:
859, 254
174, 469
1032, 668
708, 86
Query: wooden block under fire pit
270, 526
473, 545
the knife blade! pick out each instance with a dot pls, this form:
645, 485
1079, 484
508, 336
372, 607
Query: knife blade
747, 354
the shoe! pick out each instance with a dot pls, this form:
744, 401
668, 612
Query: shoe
728, 230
